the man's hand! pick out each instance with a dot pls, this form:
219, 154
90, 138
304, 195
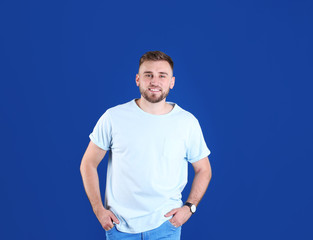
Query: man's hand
180, 215
106, 218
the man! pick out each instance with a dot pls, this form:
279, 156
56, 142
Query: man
150, 142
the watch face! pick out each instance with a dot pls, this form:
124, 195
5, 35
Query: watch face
193, 208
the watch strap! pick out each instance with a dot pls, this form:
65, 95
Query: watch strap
189, 205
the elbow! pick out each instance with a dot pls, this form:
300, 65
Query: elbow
205, 173
86, 166
210, 174
209, 170
82, 167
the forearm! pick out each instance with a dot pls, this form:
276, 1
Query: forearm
199, 186
91, 183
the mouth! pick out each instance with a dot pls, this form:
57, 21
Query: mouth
154, 90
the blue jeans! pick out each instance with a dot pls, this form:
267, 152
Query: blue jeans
166, 231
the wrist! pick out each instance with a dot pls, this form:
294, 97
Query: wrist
98, 208
192, 207
186, 207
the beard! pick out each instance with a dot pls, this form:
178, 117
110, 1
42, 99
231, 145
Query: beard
153, 97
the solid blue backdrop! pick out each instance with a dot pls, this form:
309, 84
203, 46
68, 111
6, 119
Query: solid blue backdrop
243, 68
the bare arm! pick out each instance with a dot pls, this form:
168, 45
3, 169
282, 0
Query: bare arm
88, 168
203, 174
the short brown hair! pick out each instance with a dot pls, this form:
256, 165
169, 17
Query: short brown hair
156, 56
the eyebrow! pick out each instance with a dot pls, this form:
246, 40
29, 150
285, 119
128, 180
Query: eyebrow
159, 72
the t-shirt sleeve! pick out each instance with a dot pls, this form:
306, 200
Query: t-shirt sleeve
101, 134
197, 148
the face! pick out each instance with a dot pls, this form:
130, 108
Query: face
155, 79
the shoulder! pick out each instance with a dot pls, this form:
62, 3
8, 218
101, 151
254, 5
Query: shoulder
120, 108
120, 111
188, 116
112, 113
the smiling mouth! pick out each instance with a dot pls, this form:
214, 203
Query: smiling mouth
154, 90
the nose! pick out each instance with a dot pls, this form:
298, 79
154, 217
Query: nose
154, 80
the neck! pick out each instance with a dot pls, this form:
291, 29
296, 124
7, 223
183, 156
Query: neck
158, 108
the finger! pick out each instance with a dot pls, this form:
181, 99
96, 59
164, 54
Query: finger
109, 226
107, 229
171, 213
174, 223
114, 218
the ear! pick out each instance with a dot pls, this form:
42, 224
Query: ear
172, 83
137, 80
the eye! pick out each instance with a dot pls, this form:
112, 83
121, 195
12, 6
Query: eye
148, 75
162, 76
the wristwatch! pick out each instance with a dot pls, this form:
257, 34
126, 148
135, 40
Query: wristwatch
193, 207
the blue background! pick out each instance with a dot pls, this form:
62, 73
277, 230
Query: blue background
243, 68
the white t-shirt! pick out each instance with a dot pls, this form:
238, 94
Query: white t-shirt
148, 162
